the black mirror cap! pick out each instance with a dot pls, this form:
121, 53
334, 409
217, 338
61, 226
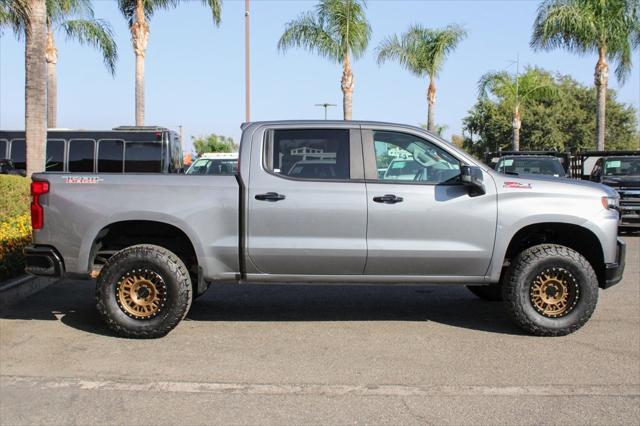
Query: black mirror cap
471, 176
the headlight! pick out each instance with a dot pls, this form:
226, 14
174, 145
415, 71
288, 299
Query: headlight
611, 203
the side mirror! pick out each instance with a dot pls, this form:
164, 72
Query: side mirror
471, 176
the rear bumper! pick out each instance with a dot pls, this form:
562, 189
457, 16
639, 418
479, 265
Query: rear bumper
44, 261
615, 270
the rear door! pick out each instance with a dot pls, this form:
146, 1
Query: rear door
306, 204
422, 220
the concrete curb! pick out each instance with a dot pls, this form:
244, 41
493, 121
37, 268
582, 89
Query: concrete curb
16, 289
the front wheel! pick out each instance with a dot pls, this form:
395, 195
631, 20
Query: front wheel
550, 290
143, 291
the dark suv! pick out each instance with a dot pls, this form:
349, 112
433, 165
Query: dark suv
622, 173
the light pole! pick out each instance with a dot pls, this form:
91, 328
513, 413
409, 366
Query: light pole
247, 88
325, 106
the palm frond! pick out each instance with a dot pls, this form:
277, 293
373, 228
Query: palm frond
128, 8
611, 27
307, 32
422, 50
216, 10
96, 33
58, 10
335, 29
14, 14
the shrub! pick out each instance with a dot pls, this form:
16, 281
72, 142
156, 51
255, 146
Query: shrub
14, 196
15, 224
15, 235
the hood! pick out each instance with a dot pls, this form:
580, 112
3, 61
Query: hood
622, 181
551, 184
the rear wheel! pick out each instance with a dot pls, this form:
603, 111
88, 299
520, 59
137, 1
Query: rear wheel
143, 291
490, 293
550, 290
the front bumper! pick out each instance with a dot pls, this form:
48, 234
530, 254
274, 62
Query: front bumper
44, 261
615, 270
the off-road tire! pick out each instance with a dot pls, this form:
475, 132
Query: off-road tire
490, 293
523, 270
161, 262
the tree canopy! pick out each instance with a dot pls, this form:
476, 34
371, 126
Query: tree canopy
213, 143
565, 121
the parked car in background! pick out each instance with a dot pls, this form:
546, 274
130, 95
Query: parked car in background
124, 149
622, 173
549, 163
215, 164
7, 168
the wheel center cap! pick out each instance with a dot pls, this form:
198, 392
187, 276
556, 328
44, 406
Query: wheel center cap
143, 292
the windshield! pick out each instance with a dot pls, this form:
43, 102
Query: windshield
622, 166
531, 166
208, 166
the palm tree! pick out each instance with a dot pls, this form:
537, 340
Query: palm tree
30, 17
337, 30
137, 13
517, 91
422, 51
76, 19
609, 28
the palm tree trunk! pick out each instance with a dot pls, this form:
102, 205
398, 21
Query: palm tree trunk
35, 119
347, 85
431, 105
601, 78
517, 124
51, 56
139, 38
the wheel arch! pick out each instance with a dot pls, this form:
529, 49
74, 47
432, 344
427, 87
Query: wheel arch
571, 235
118, 235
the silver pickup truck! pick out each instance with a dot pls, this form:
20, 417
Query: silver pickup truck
310, 205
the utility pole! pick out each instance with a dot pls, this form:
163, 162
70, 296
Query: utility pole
247, 88
325, 106
181, 138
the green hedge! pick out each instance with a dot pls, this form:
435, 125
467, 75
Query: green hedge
15, 224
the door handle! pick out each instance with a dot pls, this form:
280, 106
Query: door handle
270, 196
388, 199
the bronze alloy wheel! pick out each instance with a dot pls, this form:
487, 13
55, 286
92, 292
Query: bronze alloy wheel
554, 292
141, 293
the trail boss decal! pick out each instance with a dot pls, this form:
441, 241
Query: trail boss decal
81, 179
517, 185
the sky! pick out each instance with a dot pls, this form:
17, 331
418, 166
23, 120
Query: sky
195, 71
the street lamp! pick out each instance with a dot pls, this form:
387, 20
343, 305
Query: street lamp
325, 106
247, 58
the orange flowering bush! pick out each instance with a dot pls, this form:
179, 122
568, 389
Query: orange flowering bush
15, 224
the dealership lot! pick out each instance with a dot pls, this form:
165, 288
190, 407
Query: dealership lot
309, 354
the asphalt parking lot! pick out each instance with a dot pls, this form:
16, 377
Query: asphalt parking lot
310, 355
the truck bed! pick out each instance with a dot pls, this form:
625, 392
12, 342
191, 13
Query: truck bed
205, 208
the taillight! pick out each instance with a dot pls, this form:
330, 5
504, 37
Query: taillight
38, 188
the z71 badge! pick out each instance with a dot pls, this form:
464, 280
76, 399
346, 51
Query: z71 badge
517, 185
81, 179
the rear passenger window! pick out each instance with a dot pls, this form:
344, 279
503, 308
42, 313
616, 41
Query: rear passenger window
110, 156
3, 149
143, 157
81, 155
18, 154
55, 156
315, 154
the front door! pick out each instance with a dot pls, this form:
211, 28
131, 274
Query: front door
422, 220
306, 211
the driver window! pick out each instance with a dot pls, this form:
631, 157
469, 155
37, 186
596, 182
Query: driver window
402, 157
